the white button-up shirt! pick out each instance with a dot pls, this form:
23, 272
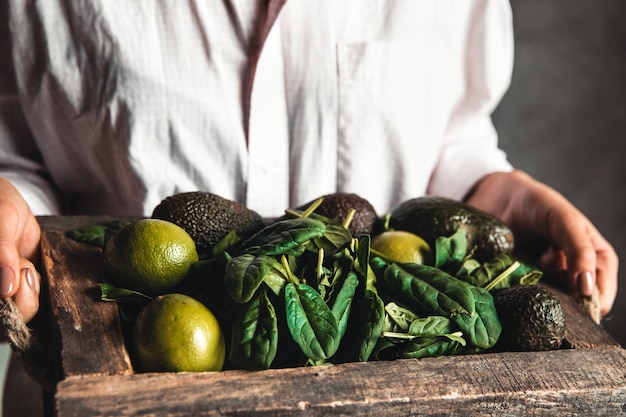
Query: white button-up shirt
108, 106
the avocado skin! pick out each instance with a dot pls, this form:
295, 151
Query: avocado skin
208, 217
532, 319
431, 217
336, 206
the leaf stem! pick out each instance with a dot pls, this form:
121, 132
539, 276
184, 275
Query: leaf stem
407, 336
314, 205
292, 278
387, 221
349, 217
320, 262
306, 213
380, 255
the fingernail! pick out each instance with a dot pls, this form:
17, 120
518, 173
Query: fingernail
29, 277
6, 281
585, 283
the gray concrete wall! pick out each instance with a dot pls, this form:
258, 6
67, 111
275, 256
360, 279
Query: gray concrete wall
564, 118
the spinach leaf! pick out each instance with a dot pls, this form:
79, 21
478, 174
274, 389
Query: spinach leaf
450, 250
432, 292
398, 319
129, 302
342, 302
110, 292
432, 326
254, 334
365, 326
284, 237
332, 278
489, 270
403, 345
228, 242
311, 322
428, 348
362, 255
486, 328
504, 271
465, 270
276, 278
98, 234
245, 273
428, 291
335, 238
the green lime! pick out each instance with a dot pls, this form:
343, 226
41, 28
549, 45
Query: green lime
401, 246
177, 333
150, 256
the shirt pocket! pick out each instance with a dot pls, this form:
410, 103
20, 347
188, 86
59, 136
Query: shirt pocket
391, 113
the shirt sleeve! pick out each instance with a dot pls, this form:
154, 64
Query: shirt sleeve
470, 149
20, 161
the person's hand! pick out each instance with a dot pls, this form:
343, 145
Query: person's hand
543, 219
19, 248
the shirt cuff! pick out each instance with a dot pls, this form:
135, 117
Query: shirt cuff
37, 193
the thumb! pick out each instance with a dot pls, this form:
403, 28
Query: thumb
9, 265
19, 237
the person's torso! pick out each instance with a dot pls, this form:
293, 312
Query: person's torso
134, 101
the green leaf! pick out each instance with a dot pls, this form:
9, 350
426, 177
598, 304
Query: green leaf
465, 270
228, 242
429, 291
428, 348
488, 271
276, 278
499, 273
365, 326
432, 326
403, 345
96, 235
451, 250
110, 292
341, 305
245, 273
484, 331
254, 334
284, 237
362, 258
311, 322
399, 318
335, 238
129, 302
529, 278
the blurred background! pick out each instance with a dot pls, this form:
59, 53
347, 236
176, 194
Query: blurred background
564, 118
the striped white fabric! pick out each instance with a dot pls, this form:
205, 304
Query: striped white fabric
108, 106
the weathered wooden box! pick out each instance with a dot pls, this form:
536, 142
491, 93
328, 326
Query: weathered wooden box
95, 375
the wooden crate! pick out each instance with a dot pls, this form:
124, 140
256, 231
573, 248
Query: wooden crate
95, 375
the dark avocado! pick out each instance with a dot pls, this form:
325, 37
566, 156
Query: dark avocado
431, 217
532, 318
208, 217
336, 206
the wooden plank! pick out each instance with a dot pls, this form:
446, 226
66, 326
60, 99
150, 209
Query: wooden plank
558, 383
89, 334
